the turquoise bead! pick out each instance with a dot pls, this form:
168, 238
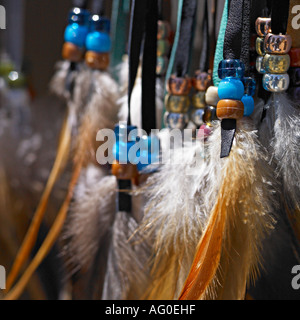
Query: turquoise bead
231, 88
98, 41
76, 34
248, 102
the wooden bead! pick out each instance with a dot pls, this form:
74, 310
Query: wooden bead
295, 57
263, 26
99, 61
278, 44
211, 96
179, 86
230, 109
202, 80
71, 52
124, 171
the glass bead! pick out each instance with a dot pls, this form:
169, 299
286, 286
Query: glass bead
231, 68
72, 52
177, 104
276, 82
250, 86
274, 63
210, 115
204, 132
230, 109
98, 41
278, 44
259, 65
163, 47
198, 100
294, 74
263, 26
149, 152
98, 23
248, 102
211, 96
197, 117
260, 46
179, 86
162, 65
295, 57
163, 30
202, 80
176, 120
231, 88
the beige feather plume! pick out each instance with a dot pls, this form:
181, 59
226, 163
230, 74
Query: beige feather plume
228, 253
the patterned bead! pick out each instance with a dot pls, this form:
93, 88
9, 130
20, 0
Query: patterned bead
179, 86
210, 114
197, 117
276, 82
198, 100
248, 102
211, 96
230, 109
163, 47
202, 80
295, 57
164, 30
162, 65
176, 120
278, 44
250, 86
263, 26
99, 61
231, 68
259, 65
72, 52
294, 74
231, 88
274, 63
260, 46
177, 104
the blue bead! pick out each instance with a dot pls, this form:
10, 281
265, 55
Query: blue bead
248, 102
98, 23
231, 68
122, 146
250, 86
149, 153
231, 88
79, 16
98, 41
176, 120
76, 34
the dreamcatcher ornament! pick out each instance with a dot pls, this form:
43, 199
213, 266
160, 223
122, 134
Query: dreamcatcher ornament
207, 237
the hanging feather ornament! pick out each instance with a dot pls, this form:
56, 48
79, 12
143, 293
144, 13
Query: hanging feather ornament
228, 253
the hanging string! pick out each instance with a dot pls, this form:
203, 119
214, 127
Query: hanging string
98, 7
205, 53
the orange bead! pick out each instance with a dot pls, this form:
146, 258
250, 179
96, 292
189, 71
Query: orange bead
230, 109
96, 60
124, 171
71, 52
295, 57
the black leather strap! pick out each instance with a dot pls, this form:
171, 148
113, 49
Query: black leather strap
205, 52
98, 7
80, 3
279, 16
